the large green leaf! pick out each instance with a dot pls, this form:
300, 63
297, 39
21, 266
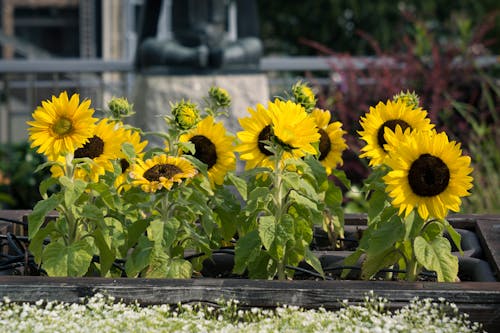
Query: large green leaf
239, 183
267, 230
106, 254
436, 256
162, 266
59, 259
313, 260
140, 257
374, 263
41, 209
386, 235
73, 189
247, 249
163, 233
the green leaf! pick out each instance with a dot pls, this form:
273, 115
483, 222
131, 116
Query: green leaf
46, 184
247, 249
73, 189
386, 235
436, 256
303, 200
140, 257
163, 233
454, 235
414, 224
377, 203
105, 194
351, 260
178, 269
106, 255
239, 183
333, 196
59, 259
36, 243
432, 230
129, 150
312, 260
267, 230
162, 266
136, 230
92, 212
40, 211
341, 175
374, 263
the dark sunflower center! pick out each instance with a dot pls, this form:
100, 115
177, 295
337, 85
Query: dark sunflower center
161, 170
205, 150
325, 145
264, 135
428, 176
63, 126
392, 125
124, 164
92, 149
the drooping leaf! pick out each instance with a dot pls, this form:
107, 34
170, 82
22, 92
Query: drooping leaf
59, 259
140, 257
374, 263
106, 254
436, 256
454, 235
386, 235
247, 249
313, 260
40, 211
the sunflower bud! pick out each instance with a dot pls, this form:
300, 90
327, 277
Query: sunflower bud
120, 108
410, 98
186, 114
302, 94
220, 96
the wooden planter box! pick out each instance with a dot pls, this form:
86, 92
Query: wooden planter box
481, 300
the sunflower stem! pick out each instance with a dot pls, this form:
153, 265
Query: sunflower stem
278, 201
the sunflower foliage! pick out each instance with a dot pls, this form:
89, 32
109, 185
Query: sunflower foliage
290, 155
122, 208
418, 176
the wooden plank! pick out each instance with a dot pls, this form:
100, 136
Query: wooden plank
488, 231
480, 300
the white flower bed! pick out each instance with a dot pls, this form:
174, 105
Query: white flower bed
103, 314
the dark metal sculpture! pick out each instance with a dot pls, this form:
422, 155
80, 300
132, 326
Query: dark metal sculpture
199, 40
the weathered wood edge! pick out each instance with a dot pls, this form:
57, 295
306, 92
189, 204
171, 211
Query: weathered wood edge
481, 300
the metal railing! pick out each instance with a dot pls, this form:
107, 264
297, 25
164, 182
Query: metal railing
25, 83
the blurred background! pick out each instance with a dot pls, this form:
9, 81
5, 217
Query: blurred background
353, 54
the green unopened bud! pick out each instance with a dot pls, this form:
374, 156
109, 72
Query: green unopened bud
220, 96
186, 114
120, 108
302, 94
410, 98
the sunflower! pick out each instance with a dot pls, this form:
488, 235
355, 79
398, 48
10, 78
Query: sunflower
102, 148
331, 142
285, 123
294, 128
132, 137
213, 147
256, 129
428, 172
384, 118
60, 126
161, 171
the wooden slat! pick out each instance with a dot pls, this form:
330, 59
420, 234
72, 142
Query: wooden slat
480, 300
488, 231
